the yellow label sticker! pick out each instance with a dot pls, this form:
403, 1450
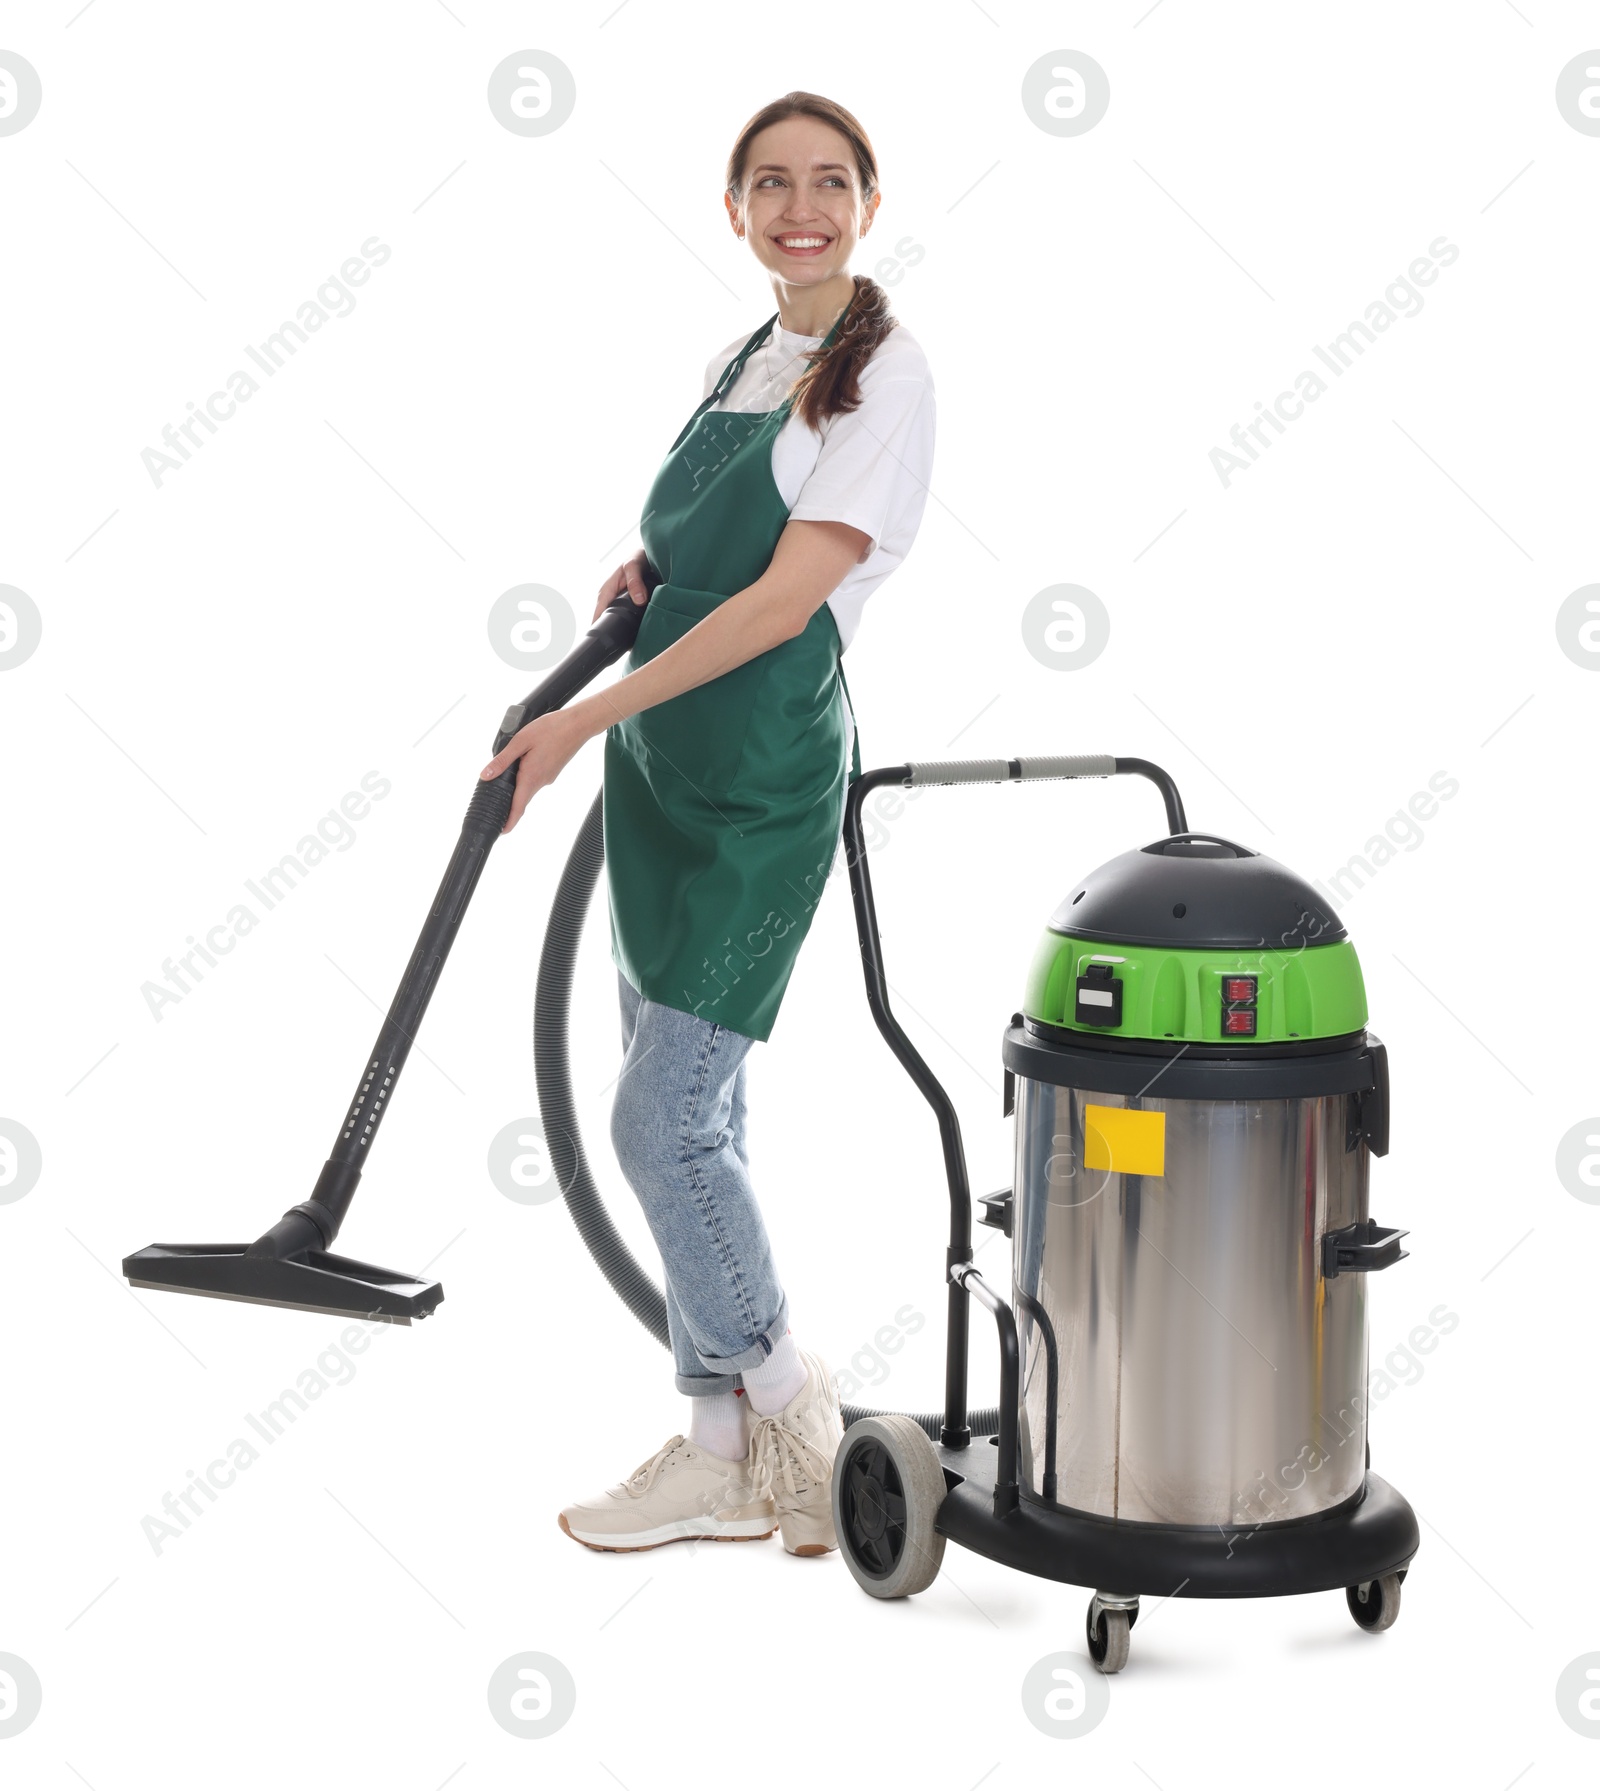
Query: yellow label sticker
1124, 1140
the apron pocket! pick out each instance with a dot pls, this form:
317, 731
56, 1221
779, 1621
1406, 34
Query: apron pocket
699, 734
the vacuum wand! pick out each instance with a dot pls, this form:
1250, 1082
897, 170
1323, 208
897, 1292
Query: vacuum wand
288, 1265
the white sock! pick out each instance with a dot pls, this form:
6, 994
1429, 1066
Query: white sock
777, 1380
717, 1424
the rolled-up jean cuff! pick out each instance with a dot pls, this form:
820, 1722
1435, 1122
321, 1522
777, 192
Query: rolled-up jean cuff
724, 1368
697, 1386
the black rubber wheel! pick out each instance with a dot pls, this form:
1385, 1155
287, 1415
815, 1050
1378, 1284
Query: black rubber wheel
1108, 1639
1375, 1603
887, 1490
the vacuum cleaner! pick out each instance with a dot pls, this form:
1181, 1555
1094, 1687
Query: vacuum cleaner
1196, 1101
1183, 1362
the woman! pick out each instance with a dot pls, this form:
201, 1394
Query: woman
791, 493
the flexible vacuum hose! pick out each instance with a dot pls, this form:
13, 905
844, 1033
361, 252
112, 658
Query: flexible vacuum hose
552, 1070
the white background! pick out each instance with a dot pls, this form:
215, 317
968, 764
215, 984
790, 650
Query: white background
225, 656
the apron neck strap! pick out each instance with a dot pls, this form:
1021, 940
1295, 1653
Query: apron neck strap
735, 367
827, 343
729, 374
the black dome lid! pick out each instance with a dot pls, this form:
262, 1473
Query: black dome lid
1199, 891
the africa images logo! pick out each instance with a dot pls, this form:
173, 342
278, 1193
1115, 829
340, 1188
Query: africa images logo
332, 299
1400, 299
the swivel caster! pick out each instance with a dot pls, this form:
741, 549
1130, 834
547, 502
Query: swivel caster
1375, 1603
1108, 1625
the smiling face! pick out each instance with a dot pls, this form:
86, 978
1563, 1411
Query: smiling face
801, 207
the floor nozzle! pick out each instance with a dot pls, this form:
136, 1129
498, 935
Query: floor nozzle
313, 1281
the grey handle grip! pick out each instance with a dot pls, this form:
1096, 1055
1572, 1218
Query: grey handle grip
996, 771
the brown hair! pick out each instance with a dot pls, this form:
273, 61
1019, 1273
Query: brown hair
831, 384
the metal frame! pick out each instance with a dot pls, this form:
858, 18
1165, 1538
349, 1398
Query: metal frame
955, 1433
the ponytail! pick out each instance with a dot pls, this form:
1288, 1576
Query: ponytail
831, 384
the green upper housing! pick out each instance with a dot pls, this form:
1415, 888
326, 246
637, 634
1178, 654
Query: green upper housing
1144, 948
1314, 993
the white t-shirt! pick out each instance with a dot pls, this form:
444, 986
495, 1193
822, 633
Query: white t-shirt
868, 467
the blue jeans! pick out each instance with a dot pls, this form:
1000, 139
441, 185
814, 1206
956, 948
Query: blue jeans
678, 1125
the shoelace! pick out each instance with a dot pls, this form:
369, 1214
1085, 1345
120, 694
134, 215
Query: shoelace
643, 1477
778, 1452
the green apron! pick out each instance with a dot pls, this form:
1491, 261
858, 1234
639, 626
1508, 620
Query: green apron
723, 805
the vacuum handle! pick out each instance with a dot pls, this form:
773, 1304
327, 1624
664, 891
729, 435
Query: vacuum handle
613, 633
996, 771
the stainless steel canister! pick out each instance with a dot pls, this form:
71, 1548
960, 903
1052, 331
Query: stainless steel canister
1206, 1372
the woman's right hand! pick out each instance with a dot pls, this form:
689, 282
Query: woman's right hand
633, 576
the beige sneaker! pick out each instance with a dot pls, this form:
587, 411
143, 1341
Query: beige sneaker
791, 1458
681, 1494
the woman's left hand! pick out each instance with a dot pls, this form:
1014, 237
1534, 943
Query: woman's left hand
544, 746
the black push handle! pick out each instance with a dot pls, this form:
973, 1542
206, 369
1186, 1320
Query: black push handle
954, 1433
923, 772
1360, 1249
996, 771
